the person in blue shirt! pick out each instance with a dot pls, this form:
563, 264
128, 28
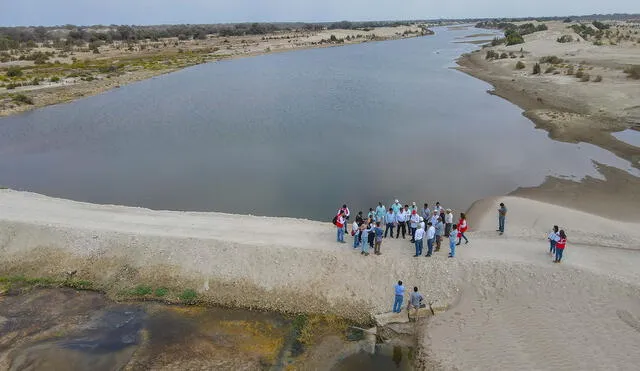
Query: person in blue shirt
378, 238
397, 304
396, 207
390, 221
380, 211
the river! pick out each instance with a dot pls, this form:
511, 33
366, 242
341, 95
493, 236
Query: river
293, 134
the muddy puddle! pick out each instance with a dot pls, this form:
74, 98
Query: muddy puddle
65, 329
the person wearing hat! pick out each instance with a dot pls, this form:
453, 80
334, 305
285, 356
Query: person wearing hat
413, 207
448, 221
414, 221
439, 233
396, 207
401, 219
434, 218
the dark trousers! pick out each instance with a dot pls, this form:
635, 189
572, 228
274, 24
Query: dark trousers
413, 233
447, 229
403, 226
388, 228
461, 237
430, 247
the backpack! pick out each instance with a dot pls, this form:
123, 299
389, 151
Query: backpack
335, 220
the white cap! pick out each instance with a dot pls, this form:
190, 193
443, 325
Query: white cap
397, 200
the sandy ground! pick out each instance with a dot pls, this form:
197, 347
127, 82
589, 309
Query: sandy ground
571, 110
171, 54
511, 307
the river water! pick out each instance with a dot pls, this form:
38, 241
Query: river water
292, 134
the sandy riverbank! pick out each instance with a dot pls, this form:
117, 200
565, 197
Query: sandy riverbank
152, 58
569, 108
511, 305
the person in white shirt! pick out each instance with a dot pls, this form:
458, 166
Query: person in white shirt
448, 221
438, 209
418, 237
431, 235
434, 218
414, 220
401, 219
553, 237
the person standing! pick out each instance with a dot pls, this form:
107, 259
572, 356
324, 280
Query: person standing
426, 213
438, 209
452, 241
448, 221
401, 219
502, 216
355, 232
396, 207
414, 221
462, 227
359, 218
560, 245
418, 240
340, 222
439, 233
371, 215
434, 218
553, 238
397, 303
378, 238
372, 233
415, 301
431, 236
413, 207
380, 211
347, 213
364, 233
390, 222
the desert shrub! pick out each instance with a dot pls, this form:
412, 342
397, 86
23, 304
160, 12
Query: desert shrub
580, 73
22, 99
536, 69
551, 59
598, 79
497, 41
54, 79
570, 70
585, 77
14, 71
550, 69
565, 39
520, 65
633, 72
492, 55
35, 81
189, 296
600, 25
11, 86
504, 56
513, 38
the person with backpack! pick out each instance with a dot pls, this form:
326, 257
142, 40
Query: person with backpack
346, 213
339, 222
462, 227
390, 222
378, 238
560, 245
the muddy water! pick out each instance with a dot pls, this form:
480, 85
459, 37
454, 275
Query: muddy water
63, 329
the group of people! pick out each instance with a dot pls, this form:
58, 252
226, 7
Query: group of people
557, 242
426, 224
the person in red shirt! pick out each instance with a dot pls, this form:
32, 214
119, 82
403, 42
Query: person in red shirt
462, 227
560, 245
340, 223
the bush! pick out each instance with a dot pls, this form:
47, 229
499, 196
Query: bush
188, 296
551, 59
54, 79
14, 71
22, 99
570, 70
550, 69
565, 39
142, 290
598, 79
12, 86
514, 38
580, 73
492, 55
520, 65
504, 56
585, 77
633, 72
600, 25
536, 69
161, 291
497, 41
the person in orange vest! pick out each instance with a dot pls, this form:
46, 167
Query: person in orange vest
462, 227
560, 245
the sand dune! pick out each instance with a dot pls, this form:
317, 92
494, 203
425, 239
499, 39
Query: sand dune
512, 308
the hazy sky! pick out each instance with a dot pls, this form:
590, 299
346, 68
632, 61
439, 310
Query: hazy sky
86, 12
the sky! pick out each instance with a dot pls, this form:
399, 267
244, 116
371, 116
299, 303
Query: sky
88, 12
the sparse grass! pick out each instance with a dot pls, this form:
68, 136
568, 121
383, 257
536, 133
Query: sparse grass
598, 79
550, 69
21, 99
188, 296
161, 292
520, 65
551, 59
580, 73
142, 290
585, 77
570, 71
47, 282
